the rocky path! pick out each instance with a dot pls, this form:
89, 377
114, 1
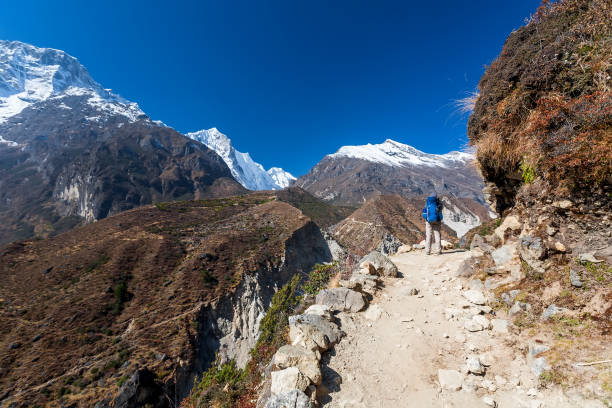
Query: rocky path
414, 350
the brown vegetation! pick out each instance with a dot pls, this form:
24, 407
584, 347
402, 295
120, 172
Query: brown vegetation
545, 104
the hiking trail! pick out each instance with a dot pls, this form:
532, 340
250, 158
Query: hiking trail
393, 351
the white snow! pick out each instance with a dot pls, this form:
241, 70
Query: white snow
392, 153
281, 177
8, 142
30, 74
245, 170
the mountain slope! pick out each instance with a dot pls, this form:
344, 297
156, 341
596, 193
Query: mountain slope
152, 294
354, 174
72, 152
249, 173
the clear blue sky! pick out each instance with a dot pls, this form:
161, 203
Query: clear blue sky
288, 81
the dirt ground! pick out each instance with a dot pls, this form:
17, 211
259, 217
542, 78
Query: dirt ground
392, 358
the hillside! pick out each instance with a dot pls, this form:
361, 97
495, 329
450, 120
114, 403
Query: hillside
543, 116
382, 218
542, 129
136, 305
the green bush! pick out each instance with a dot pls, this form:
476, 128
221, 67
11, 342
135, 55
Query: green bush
319, 277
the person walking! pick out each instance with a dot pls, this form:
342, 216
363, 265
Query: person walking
432, 213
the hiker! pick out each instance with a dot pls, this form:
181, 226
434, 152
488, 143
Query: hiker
433, 220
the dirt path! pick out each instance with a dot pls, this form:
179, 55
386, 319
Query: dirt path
392, 360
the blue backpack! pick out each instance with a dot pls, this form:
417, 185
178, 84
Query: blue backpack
431, 212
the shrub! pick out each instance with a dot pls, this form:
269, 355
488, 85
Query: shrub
208, 279
319, 277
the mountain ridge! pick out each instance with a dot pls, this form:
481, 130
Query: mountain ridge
249, 173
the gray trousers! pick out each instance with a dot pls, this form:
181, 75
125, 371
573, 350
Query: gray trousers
435, 226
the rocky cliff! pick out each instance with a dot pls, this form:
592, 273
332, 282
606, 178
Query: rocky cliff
127, 311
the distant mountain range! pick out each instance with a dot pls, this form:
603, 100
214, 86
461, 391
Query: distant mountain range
355, 174
250, 174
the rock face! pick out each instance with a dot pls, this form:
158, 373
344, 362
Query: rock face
288, 379
341, 299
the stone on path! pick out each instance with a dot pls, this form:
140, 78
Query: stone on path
313, 332
551, 311
290, 399
476, 323
319, 310
403, 249
474, 366
519, 307
575, 279
373, 313
288, 379
450, 379
381, 263
341, 299
489, 401
305, 360
475, 296
499, 325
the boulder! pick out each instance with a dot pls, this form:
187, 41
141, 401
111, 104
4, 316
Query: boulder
373, 313
367, 268
290, 399
288, 379
509, 223
508, 298
319, 310
468, 267
588, 257
479, 242
502, 255
550, 311
482, 320
382, 264
446, 245
519, 307
450, 379
474, 366
305, 360
313, 332
341, 299
532, 251
475, 296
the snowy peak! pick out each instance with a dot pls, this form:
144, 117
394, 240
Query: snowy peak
249, 173
281, 177
30, 74
395, 154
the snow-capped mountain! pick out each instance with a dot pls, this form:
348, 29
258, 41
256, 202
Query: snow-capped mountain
73, 152
392, 153
30, 74
249, 173
354, 174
